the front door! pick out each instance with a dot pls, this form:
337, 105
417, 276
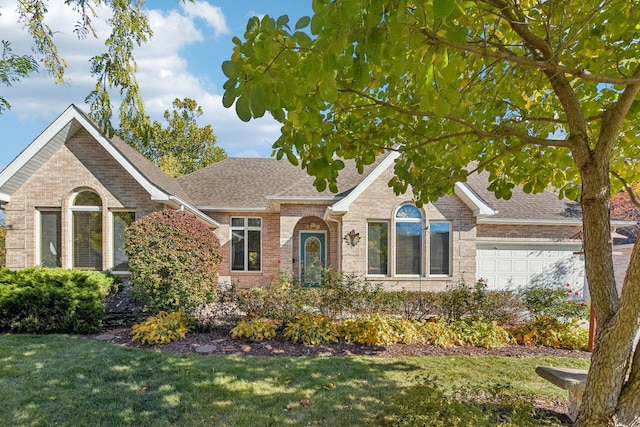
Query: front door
312, 257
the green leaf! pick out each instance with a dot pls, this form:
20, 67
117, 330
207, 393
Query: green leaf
230, 69
282, 21
329, 90
443, 8
302, 22
243, 109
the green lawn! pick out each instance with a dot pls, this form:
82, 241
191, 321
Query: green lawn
73, 381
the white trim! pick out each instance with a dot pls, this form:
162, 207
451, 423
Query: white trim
198, 213
494, 244
508, 221
429, 251
246, 228
423, 252
112, 238
479, 207
343, 205
5, 198
378, 221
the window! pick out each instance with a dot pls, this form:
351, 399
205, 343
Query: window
439, 248
120, 221
50, 238
86, 217
246, 244
377, 248
408, 240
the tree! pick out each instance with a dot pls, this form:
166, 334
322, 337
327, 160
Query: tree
113, 69
182, 147
12, 68
538, 93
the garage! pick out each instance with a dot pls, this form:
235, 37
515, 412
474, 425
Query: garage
513, 265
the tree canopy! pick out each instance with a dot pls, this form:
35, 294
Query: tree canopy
539, 93
113, 69
183, 146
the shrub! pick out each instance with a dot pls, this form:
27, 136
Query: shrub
311, 329
550, 332
173, 259
258, 329
418, 305
481, 334
462, 301
161, 329
561, 302
281, 304
52, 300
369, 331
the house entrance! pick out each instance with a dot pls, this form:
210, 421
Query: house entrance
312, 257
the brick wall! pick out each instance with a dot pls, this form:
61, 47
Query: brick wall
81, 163
378, 202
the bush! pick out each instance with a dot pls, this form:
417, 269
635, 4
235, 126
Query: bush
258, 329
311, 329
550, 332
161, 329
369, 331
52, 300
462, 301
173, 259
281, 304
561, 302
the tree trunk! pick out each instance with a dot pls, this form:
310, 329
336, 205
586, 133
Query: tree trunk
615, 319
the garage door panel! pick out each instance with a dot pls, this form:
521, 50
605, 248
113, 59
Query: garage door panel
511, 266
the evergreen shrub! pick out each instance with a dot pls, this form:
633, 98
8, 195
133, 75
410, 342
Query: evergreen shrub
52, 300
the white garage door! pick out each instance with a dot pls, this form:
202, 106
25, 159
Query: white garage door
511, 265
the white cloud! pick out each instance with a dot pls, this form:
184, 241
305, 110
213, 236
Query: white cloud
163, 73
212, 15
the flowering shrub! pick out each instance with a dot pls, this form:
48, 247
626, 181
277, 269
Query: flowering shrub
560, 302
173, 259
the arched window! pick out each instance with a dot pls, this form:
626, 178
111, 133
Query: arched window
86, 229
408, 224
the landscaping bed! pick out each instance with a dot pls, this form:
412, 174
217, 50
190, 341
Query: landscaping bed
222, 343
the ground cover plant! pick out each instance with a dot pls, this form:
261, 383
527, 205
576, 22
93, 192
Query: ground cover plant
109, 385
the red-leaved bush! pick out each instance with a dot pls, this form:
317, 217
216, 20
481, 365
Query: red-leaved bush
173, 260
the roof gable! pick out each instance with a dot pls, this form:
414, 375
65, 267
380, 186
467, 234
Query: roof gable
154, 181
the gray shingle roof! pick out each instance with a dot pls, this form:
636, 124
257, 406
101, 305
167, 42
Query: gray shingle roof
247, 183
543, 206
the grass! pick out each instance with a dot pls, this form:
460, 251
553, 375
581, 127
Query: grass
73, 381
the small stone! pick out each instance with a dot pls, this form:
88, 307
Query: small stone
105, 337
206, 349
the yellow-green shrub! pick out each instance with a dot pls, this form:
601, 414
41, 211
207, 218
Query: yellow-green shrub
550, 332
257, 329
481, 334
368, 330
307, 328
161, 329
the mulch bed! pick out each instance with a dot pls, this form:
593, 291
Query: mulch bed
222, 344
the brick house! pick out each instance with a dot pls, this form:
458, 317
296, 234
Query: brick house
71, 193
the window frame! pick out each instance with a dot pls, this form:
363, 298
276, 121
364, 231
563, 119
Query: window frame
71, 224
450, 247
245, 228
411, 220
38, 242
112, 235
387, 223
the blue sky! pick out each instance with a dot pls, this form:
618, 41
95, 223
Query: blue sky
183, 59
